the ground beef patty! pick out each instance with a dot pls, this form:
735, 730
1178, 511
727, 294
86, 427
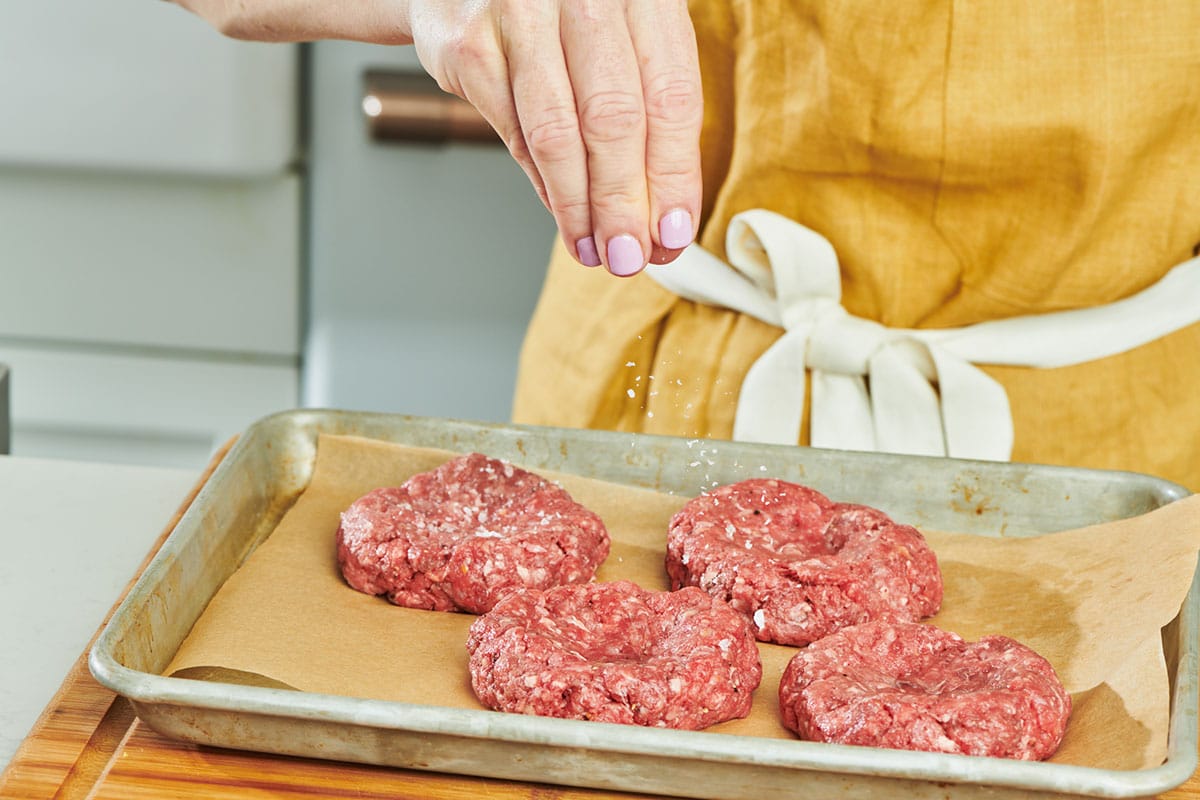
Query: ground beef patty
465, 534
915, 687
615, 652
799, 565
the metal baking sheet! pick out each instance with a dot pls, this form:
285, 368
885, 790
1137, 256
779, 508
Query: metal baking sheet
272, 462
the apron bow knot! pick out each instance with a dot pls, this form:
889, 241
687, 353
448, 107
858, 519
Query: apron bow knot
892, 389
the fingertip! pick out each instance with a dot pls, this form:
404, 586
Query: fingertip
586, 252
675, 230
625, 256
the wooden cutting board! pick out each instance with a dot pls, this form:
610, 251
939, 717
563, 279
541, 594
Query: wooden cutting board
88, 745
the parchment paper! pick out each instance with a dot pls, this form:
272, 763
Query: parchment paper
1092, 601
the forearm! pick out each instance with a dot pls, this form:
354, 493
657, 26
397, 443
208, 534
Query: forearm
306, 20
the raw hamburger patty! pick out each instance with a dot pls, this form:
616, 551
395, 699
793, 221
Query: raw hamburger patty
615, 652
799, 565
465, 534
915, 687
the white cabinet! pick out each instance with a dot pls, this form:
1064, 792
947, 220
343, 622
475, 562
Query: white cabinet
150, 229
140, 84
134, 407
160, 261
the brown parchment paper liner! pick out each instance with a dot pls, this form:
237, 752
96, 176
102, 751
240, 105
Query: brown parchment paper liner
1092, 601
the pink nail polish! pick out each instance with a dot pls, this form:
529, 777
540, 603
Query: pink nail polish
675, 229
589, 256
625, 255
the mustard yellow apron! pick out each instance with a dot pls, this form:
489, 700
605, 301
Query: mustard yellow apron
968, 162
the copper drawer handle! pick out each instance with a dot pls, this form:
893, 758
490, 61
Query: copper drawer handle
408, 107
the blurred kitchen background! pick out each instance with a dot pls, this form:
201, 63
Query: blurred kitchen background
196, 232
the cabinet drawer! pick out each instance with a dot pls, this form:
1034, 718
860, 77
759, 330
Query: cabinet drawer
136, 84
144, 260
137, 408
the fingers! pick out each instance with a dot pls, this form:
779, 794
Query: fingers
665, 42
545, 106
612, 119
471, 63
495, 102
598, 101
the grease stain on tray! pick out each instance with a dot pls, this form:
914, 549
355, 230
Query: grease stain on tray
967, 498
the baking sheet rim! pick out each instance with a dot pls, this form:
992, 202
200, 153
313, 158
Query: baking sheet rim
613, 738
148, 690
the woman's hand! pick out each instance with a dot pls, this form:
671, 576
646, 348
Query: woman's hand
598, 100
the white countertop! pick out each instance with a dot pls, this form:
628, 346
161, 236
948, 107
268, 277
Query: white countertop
71, 536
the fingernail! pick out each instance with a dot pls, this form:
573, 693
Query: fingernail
589, 256
675, 229
625, 255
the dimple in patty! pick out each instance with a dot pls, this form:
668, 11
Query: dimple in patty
915, 687
799, 565
614, 652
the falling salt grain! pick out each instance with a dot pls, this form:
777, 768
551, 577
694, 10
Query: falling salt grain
631, 363
632, 394
650, 415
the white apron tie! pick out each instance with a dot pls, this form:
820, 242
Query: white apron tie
892, 389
